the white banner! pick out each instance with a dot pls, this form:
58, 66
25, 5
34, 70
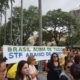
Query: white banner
17, 53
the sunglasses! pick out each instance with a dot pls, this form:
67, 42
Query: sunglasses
54, 56
68, 67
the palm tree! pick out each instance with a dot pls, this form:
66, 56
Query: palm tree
21, 22
4, 5
3, 8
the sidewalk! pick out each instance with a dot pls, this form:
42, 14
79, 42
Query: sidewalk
42, 76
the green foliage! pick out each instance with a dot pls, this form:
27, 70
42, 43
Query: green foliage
1, 36
30, 23
3, 4
62, 43
70, 41
47, 36
57, 19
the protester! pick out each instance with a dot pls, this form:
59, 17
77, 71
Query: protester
32, 69
22, 71
3, 68
45, 68
11, 73
75, 68
54, 68
66, 74
62, 57
70, 57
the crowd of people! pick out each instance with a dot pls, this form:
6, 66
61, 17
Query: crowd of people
60, 67
64, 67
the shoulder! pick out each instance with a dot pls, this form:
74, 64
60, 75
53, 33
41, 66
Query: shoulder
63, 77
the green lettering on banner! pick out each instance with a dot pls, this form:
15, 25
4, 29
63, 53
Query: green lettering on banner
24, 48
49, 49
20, 49
14, 48
58, 49
9, 49
38, 49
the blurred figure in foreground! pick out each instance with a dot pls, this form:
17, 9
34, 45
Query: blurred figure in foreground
22, 71
75, 68
66, 74
3, 68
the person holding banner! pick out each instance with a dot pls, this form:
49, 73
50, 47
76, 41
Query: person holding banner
32, 69
54, 68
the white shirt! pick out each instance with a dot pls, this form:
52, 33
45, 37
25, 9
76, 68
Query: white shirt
32, 69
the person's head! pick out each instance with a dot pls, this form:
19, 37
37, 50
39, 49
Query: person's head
31, 60
65, 51
77, 59
3, 68
67, 66
22, 69
54, 57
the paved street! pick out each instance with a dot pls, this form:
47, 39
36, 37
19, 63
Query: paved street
42, 76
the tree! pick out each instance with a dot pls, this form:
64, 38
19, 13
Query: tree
63, 24
30, 23
59, 19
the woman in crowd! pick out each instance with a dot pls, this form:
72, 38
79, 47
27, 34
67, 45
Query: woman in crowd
75, 68
66, 74
62, 56
70, 57
22, 71
32, 69
54, 68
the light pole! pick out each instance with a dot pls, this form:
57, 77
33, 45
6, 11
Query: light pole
40, 29
5, 25
40, 21
0, 26
11, 24
21, 22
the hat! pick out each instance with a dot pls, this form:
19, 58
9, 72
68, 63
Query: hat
2, 59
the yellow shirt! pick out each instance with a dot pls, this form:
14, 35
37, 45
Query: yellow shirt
12, 71
62, 59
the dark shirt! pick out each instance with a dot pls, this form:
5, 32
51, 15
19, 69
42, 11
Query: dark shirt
75, 71
63, 78
54, 72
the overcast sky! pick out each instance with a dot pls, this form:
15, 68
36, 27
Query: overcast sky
65, 5
47, 5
